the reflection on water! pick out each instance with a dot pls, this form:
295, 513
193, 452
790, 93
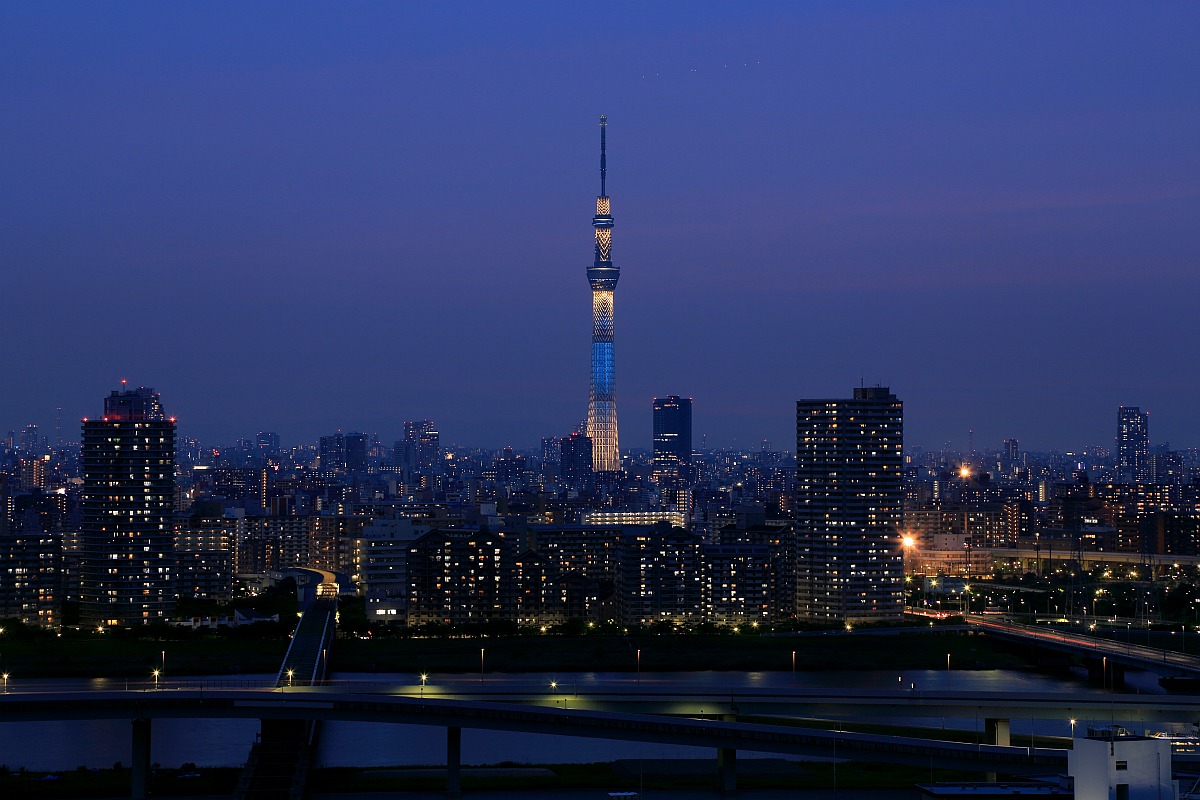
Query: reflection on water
65, 745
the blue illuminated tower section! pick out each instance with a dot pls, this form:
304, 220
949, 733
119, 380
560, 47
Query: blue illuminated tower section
602, 401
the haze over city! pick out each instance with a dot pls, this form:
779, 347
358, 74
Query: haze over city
306, 218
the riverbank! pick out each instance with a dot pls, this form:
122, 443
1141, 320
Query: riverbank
100, 656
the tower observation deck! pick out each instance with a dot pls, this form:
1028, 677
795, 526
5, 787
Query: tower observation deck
602, 275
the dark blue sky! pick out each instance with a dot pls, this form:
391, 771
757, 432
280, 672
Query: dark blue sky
302, 217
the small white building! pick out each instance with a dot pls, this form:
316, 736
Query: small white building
1113, 764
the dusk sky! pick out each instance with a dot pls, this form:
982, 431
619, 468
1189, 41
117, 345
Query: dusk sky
302, 217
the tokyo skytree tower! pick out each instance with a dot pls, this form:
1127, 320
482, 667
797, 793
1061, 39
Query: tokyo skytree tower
602, 402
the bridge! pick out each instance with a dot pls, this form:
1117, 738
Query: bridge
280, 758
709, 719
722, 735
1106, 656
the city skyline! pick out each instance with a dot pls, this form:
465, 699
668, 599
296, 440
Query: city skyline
400, 432
300, 232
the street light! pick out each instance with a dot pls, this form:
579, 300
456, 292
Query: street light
290, 674
155, 674
481, 666
1072, 729
639, 667
5, 683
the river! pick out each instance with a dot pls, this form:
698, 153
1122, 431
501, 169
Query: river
209, 742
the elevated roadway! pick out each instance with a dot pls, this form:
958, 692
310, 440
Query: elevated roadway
1094, 648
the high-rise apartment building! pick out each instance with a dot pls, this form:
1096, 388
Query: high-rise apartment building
603, 276
849, 507
1133, 444
128, 569
423, 446
672, 437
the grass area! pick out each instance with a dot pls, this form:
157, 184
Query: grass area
903, 650
106, 656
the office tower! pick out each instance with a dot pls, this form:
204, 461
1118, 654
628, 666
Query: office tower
849, 507
127, 574
602, 401
672, 437
356, 452
1133, 444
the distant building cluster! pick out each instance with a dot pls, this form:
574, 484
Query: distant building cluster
116, 528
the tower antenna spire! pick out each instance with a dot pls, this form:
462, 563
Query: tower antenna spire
603, 162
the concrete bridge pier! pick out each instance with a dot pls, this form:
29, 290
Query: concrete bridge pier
453, 762
727, 770
139, 778
996, 731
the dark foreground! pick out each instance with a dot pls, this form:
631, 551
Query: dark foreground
764, 779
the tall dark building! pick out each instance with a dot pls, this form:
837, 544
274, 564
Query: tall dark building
356, 452
849, 507
672, 437
1133, 444
575, 460
128, 569
332, 451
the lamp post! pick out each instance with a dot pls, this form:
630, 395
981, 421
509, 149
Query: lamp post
481, 666
155, 674
639, 667
907, 543
793, 663
5, 683
1072, 729
290, 673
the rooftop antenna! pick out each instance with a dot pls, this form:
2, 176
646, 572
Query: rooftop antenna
603, 161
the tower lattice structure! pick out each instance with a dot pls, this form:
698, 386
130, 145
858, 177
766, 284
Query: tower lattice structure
602, 401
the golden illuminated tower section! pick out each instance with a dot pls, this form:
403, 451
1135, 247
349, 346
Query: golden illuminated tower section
602, 401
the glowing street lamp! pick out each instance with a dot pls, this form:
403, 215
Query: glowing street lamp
5, 676
1072, 729
290, 673
155, 673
